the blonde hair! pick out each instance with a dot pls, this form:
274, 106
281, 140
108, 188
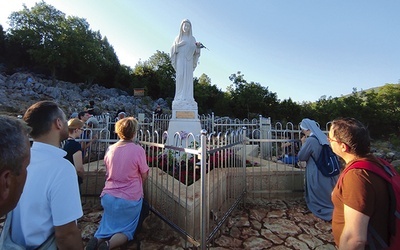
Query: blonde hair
126, 128
73, 124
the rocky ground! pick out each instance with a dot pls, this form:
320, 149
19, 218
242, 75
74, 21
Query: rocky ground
20, 90
263, 224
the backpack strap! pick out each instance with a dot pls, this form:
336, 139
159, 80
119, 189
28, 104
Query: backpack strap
384, 170
378, 166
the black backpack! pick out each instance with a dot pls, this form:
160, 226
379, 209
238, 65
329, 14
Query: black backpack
327, 162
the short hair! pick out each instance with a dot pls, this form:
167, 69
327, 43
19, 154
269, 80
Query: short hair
40, 117
13, 143
82, 113
126, 128
354, 134
74, 123
92, 122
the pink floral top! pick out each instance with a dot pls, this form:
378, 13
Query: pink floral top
124, 165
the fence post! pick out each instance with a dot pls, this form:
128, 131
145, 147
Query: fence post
203, 210
212, 122
153, 128
244, 153
265, 127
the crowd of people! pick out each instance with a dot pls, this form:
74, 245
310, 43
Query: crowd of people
40, 196
39, 182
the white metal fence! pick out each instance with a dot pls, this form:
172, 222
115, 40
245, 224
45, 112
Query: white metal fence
194, 185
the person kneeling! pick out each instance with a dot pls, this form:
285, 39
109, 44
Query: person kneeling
126, 170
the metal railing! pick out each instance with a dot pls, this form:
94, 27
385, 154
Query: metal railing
195, 183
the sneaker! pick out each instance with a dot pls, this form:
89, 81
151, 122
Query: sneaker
105, 245
92, 244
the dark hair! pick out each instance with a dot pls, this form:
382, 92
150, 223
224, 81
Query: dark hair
354, 134
82, 113
13, 143
40, 117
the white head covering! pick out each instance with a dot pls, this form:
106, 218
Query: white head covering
308, 124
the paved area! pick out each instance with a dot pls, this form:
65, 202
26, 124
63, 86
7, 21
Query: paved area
264, 224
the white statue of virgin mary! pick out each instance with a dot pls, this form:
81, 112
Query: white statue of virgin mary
185, 53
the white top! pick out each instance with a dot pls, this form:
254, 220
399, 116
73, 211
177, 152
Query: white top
50, 197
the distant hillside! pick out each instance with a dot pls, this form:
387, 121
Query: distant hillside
376, 89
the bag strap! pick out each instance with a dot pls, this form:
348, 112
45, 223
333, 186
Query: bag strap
380, 168
377, 166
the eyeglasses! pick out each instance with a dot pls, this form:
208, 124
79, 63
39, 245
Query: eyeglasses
331, 140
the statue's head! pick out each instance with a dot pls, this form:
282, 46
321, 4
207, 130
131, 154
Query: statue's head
186, 26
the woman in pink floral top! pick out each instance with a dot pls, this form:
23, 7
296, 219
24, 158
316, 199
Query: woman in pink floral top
126, 169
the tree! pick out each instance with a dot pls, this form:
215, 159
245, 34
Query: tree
145, 77
66, 45
108, 62
389, 98
124, 79
156, 75
160, 62
39, 31
82, 50
248, 100
2, 44
289, 111
208, 97
89, 56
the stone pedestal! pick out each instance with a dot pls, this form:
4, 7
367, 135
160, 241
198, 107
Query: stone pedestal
184, 119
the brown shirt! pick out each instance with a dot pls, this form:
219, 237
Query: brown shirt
365, 192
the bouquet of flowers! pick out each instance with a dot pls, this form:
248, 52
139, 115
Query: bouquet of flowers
200, 45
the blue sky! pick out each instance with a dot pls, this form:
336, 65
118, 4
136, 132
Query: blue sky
298, 49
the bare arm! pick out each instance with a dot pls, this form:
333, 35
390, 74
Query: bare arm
68, 236
144, 175
86, 145
78, 163
354, 235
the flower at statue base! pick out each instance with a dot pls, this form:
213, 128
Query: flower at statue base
183, 134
